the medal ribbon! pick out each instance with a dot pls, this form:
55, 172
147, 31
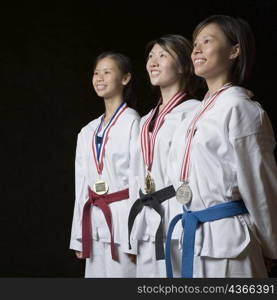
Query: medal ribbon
98, 149
147, 139
208, 102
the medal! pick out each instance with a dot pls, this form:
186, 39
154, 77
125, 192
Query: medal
184, 193
100, 187
149, 184
147, 139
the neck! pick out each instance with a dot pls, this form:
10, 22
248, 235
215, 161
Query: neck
168, 92
110, 107
216, 84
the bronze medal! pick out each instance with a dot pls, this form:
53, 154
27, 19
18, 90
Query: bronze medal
149, 184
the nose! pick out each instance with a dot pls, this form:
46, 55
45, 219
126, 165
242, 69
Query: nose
197, 49
99, 77
153, 62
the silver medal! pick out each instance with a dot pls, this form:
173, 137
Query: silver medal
100, 187
184, 193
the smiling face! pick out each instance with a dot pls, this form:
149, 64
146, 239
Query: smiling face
213, 55
162, 67
108, 81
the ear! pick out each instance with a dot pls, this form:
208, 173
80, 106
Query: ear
126, 78
235, 52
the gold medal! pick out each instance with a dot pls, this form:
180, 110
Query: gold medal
100, 187
149, 184
184, 193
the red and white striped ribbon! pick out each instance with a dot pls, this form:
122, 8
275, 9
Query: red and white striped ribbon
117, 114
208, 102
147, 139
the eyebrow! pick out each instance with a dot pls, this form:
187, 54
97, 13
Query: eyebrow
205, 36
158, 52
208, 35
103, 69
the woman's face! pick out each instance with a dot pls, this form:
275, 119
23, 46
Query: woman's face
162, 67
107, 79
212, 54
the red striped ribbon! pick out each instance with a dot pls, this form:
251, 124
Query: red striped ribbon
99, 164
148, 140
208, 102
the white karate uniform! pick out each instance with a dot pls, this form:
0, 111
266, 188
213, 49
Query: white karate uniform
116, 173
231, 158
148, 220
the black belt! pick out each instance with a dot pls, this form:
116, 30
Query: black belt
154, 201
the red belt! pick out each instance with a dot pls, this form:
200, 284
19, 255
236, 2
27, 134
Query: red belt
102, 202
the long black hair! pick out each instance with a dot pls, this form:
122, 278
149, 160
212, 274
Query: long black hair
124, 64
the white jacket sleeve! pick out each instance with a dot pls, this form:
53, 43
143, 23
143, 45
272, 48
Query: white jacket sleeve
133, 184
80, 196
257, 176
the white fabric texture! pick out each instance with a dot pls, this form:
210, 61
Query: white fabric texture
116, 173
149, 267
148, 220
231, 158
101, 264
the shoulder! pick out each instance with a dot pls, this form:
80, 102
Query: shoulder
236, 102
185, 109
238, 97
128, 119
91, 126
243, 115
186, 105
131, 114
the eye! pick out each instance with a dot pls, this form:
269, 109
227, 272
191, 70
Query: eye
206, 41
162, 55
95, 73
107, 72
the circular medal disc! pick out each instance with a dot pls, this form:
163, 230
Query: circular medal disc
184, 194
100, 187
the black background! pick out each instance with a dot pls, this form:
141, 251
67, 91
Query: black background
46, 54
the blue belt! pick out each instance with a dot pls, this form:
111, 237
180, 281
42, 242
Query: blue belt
190, 220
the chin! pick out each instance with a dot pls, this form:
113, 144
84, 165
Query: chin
100, 94
199, 73
154, 83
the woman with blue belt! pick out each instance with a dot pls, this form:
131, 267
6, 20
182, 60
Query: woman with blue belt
222, 165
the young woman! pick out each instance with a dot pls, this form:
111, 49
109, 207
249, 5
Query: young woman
222, 164
99, 232
170, 70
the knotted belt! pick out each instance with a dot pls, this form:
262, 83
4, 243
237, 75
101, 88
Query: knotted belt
154, 201
102, 202
190, 220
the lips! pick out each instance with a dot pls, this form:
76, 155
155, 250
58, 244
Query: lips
100, 87
155, 72
199, 61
